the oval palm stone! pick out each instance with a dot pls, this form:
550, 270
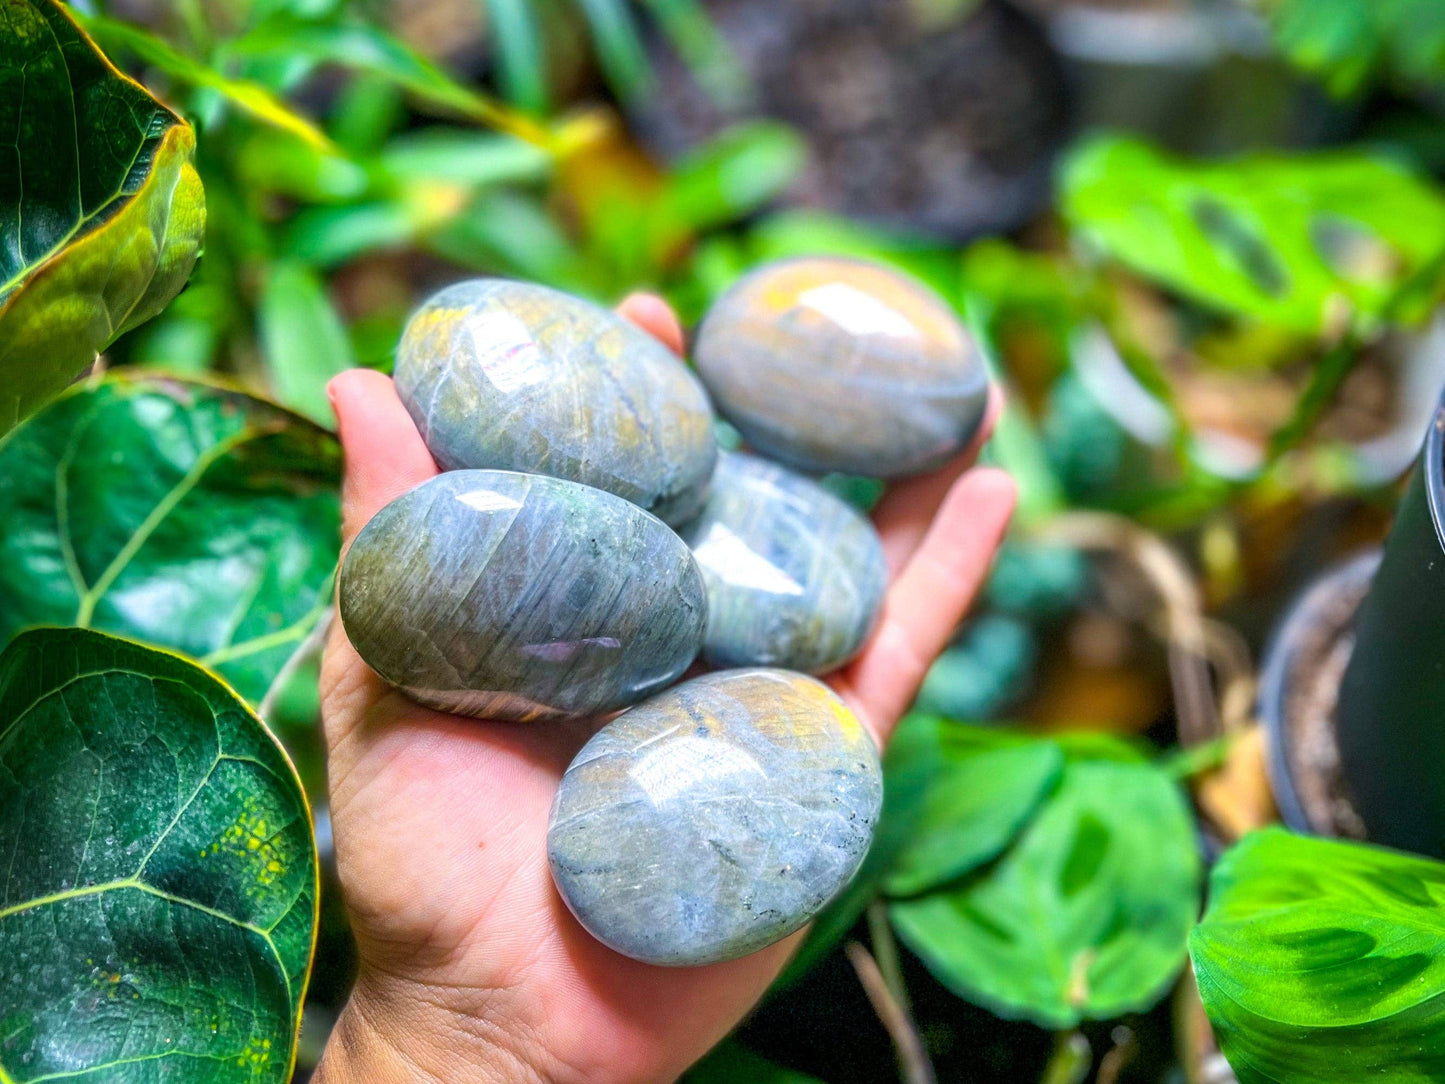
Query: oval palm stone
716, 817
794, 575
515, 376
830, 364
516, 596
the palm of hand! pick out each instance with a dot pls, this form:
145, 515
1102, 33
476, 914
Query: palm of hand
468, 955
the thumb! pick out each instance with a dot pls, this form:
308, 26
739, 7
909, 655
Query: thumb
384, 454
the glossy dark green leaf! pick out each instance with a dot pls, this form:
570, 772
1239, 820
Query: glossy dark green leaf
303, 338
980, 785
1085, 916
732, 1063
174, 512
157, 919
1322, 962
92, 241
1297, 240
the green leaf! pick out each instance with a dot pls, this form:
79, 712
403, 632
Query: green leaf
158, 917
173, 512
708, 54
1085, 916
248, 96
521, 61
731, 1063
303, 338
364, 48
465, 157
1346, 43
1294, 240
1321, 962
734, 174
980, 787
94, 241
619, 47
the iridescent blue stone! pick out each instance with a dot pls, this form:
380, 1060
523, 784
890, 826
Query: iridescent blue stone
516, 376
516, 596
830, 364
715, 818
795, 576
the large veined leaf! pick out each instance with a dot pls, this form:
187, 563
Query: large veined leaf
173, 512
158, 914
1296, 240
980, 785
1085, 916
101, 211
1322, 962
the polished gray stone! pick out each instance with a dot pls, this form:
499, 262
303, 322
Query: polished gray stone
830, 364
516, 596
715, 818
516, 376
795, 576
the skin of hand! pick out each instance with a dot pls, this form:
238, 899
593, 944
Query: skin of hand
471, 966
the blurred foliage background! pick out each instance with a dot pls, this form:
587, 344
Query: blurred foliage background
1204, 243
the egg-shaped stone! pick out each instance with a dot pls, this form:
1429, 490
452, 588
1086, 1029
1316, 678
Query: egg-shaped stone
795, 576
715, 818
515, 376
831, 364
516, 596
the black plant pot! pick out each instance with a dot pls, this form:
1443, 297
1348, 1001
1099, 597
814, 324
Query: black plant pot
1353, 691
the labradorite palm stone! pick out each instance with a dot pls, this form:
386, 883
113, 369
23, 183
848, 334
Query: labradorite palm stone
794, 575
830, 364
515, 376
517, 596
715, 818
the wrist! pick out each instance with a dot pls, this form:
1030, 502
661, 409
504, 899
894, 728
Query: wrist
387, 1035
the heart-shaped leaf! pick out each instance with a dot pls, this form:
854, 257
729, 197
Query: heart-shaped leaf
980, 785
1085, 916
174, 512
1298, 241
101, 212
1322, 962
157, 917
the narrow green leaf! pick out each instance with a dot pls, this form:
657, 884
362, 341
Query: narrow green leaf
1085, 916
159, 913
327, 237
619, 47
303, 339
93, 242
1296, 240
465, 157
1322, 962
980, 786
174, 512
248, 96
709, 55
364, 48
521, 61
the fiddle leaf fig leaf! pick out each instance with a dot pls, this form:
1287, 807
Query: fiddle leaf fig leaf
101, 211
980, 786
1085, 916
174, 512
1323, 962
1297, 241
159, 913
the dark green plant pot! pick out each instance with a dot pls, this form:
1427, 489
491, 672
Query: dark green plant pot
1353, 690
1391, 715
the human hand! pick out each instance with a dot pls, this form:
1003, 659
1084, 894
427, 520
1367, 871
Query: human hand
471, 966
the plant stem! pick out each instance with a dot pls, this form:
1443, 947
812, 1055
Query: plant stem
913, 1064
885, 952
1070, 1061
